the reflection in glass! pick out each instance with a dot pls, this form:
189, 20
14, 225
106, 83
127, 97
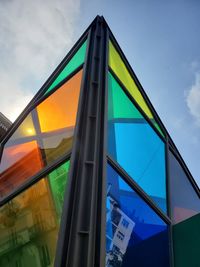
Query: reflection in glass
185, 202
29, 223
135, 234
44, 135
134, 144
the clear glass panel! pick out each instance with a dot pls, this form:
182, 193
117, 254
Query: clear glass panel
119, 68
134, 144
135, 234
186, 235
185, 202
29, 223
73, 64
45, 135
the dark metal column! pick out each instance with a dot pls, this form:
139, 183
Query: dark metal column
81, 240
171, 252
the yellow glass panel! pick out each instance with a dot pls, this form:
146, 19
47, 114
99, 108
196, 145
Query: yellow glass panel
27, 128
119, 68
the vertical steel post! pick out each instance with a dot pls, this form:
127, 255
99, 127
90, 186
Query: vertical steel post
82, 238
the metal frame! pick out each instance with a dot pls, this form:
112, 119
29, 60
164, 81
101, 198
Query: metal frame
81, 240
138, 189
68, 198
29, 110
80, 244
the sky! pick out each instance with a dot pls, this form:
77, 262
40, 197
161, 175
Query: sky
161, 40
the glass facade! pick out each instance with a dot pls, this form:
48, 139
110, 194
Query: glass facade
45, 135
135, 234
152, 215
134, 144
29, 223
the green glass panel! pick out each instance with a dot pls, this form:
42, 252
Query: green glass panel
134, 144
57, 183
186, 237
123, 110
74, 63
120, 69
29, 223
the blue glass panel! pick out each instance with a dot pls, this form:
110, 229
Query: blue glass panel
135, 234
182, 207
134, 144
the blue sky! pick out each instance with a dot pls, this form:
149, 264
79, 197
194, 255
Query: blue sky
160, 39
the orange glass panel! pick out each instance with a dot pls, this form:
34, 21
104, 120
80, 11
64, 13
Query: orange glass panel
45, 135
18, 163
59, 110
30, 222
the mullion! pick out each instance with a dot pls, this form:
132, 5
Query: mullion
39, 140
26, 139
103, 195
62, 243
138, 189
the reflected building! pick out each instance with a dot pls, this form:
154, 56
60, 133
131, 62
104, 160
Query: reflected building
89, 175
29, 223
5, 124
119, 229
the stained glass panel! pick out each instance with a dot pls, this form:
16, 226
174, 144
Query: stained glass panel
29, 223
134, 144
45, 134
135, 234
119, 68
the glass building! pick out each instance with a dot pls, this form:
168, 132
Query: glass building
89, 175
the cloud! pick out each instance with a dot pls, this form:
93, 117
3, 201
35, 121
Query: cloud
193, 99
34, 37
